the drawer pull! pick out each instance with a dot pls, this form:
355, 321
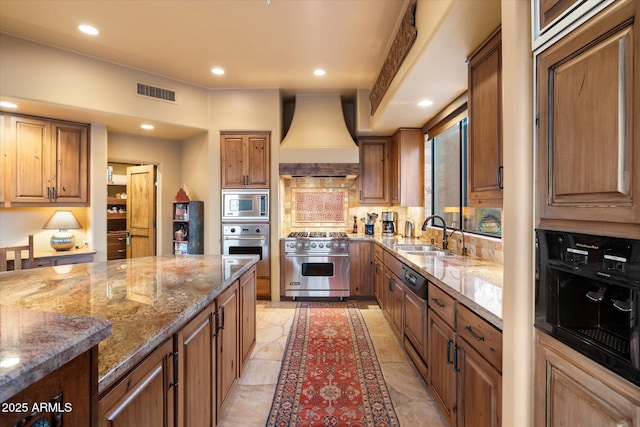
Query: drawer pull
473, 334
449, 361
437, 302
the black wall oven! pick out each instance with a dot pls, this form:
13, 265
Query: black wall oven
588, 297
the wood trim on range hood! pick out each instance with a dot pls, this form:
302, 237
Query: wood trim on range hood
348, 170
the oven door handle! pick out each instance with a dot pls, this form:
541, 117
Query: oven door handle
316, 254
245, 238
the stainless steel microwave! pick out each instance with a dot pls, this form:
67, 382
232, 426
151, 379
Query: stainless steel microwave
245, 205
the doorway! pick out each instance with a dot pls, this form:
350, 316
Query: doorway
131, 210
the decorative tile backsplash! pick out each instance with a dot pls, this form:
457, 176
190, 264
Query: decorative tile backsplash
319, 207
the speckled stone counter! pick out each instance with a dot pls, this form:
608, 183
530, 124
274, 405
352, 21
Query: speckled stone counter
474, 282
34, 343
146, 299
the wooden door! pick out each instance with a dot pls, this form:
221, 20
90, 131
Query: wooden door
233, 161
258, 161
485, 124
197, 372
247, 315
442, 378
360, 268
31, 160
415, 322
479, 390
141, 211
374, 171
228, 369
71, 159
145, 396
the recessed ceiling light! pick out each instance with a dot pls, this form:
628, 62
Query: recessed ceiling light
425, 103
217, 71
319, 72
7, 104
147, 127
88, 29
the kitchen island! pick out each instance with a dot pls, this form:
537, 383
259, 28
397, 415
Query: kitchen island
146, 300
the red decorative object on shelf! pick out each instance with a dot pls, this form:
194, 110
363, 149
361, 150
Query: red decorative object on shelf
181, 197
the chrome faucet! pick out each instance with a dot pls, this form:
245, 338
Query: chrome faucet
464, 247
445, 237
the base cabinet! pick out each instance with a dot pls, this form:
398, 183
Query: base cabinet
360, 257
442, 375
145, 396
415, 330
571, 389
247, 316
378, 280
228, 351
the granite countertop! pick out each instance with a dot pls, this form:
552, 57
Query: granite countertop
146, 300
473, 281
34, 343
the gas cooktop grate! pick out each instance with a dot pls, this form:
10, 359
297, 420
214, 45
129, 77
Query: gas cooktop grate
317, 234
610, 340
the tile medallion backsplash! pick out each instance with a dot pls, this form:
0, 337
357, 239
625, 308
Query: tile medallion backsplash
319, 207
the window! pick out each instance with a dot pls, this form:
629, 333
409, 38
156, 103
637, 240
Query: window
448, 144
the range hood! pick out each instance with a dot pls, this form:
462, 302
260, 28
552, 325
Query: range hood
318, 136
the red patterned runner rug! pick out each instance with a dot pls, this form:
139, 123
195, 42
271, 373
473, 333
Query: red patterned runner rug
330, 373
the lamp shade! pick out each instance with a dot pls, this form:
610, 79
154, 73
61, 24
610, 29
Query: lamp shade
62, 221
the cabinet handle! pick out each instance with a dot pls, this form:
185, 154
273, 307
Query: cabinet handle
222, 322
437, 302
473, 334
500, 168
449, 361
174, 354
390, 286
455, 359
49, 193
216, 324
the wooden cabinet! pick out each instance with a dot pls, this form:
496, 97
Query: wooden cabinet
394, 298
378, 280
47, 162
478, 360
188, 228
485, 124
145, 397
228, 350
442, 374
588, 133
407, 167
374, 171
72, 389
571, 389
247, 316
360, 257
245, 159
196, 346
415, 330
551, 17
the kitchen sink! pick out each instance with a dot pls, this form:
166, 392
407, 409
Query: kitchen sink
418, 249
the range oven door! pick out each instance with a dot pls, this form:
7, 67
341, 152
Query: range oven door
308, 275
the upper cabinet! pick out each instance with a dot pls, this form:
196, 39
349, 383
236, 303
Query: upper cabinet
46, 162
485, 124
588, 136
245, 159
407, 170
552, 17
374, 171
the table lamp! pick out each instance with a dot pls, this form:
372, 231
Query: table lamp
63, 221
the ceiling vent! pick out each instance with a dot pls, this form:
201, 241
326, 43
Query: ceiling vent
156, 92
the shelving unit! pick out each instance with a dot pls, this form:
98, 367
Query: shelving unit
188, 217
117, 211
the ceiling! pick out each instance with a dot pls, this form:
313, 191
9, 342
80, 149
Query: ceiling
273, 44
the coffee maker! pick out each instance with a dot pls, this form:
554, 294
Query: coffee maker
389, 224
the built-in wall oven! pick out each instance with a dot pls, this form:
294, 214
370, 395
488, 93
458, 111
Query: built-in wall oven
248, 239
588, 296
245, 205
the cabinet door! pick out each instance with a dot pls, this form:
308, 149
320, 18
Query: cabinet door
442, 379
479, 390
228, 370
247, 315
397, 310
415, 322
374, 171
589, 135
258, 161
407, 170
197, 371
378, 281
360, 268
70, 179
31, 158
145, 396
485, 124
233, 161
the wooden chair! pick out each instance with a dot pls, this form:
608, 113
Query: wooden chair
14, 253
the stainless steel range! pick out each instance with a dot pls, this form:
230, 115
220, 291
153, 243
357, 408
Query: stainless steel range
316, 264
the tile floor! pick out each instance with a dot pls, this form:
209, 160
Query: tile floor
251, 400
